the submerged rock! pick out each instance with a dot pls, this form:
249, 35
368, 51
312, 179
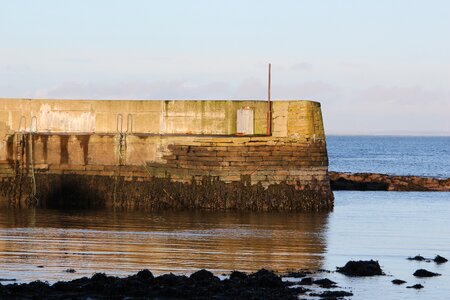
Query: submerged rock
332, 294
417, 258
306, 281
70, 271
299, 274
325, 283
416, 286
361, 268
425, 273
440, 259
398, 281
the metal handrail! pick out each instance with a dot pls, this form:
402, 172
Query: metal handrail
34, 129
119, 117
129, 123
24, 119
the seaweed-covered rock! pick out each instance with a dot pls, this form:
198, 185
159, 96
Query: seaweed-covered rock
361, 268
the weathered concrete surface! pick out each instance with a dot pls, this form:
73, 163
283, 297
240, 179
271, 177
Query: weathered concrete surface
382, 182
88, 156
290, 118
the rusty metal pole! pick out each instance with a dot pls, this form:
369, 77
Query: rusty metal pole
269, 112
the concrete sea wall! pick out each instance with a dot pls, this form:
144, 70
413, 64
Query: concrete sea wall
162, 154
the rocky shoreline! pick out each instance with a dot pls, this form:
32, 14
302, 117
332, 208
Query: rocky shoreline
383, 182
203, 284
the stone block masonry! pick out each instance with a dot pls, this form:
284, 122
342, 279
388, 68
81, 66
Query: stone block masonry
115, 154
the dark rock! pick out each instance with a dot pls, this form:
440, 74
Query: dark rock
398, 281
440, 260
265, 278
203, 275
203, 284
361, 268
425, 273
99, 277
332, 294
306, 281
99, 283
299, 274
70, 271
325, 283
169, 279
39, 266
38, 285
324, 271
342, 184
300, 290
144, 275
417, 258
8, 279
383, 182
416, 286
62, 286
236, 275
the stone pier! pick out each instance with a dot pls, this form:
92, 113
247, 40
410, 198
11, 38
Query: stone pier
163, 155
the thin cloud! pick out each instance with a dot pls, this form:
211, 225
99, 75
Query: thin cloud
250, 88
302, 66
397, 95
135, 90
314, 90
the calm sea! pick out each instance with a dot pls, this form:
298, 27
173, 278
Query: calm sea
386, 226
395, 155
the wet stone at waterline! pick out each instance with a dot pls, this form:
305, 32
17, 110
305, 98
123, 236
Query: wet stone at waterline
361, 268
425, 273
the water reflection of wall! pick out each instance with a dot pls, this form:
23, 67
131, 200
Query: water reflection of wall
121, 243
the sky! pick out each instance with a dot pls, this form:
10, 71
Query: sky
377, 67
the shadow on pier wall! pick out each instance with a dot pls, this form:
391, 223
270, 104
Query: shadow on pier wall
72, 192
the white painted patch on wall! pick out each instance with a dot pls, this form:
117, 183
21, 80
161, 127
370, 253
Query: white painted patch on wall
65, 120
245, 121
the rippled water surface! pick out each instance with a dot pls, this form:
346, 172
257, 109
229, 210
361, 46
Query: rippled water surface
388, 226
